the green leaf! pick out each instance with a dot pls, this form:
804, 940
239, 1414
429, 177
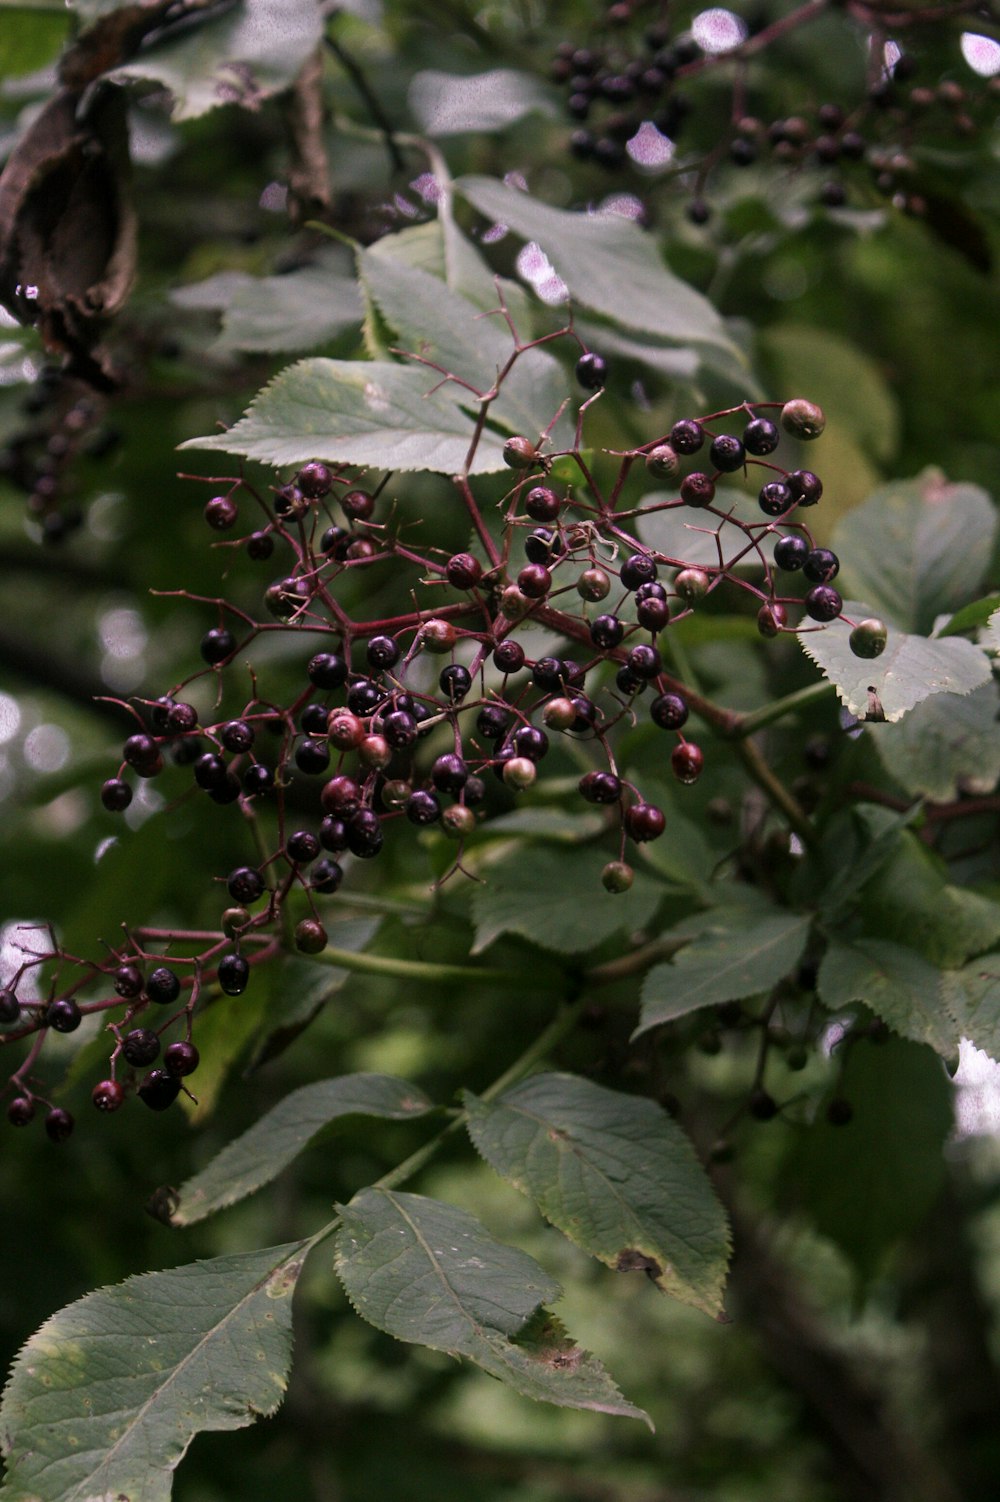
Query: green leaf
440, 326
947, 743
879, 832
848, 384
734, 956
105, 1398
431, 1274
616, 1174
241, 56
909, 670
972, 997
895, 983
448, 104
29, 39
870, 1183
607, 263
970, 616
370, 413
298, 311
917, 548
226, 1030
556, 903
911, 901
258, 1156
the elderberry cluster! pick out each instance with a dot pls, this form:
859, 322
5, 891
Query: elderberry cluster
431, 718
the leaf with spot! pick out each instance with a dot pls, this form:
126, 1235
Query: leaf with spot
616, 1174
431, 1274
259, 1155
106, 1397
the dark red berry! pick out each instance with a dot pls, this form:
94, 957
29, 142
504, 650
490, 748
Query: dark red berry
221, 512
399, 728
234, 973
542, 504
310, 936
492, 720
116, 795
519, 453
63, 1014
423, 808
303, 846
358, 505
686, 762
142, 753
449, 773
644, 661
181, 719
257, 779
653, 614
210, 771
341, 795
59, 1125
364, 834
823, 603
333, 834
216, 645
644, 821
325, 876
140, 1047
455, 682
260, 546
697, 489
591, 369
544, 546
534, 581
508, 656
20, 1111
771, 618
606, 631
227, 791
312, 757
806, 487
636, 570
345, 730
727, 453
669, 711
463, 571
10, 1007
531, 742
108, 1095
600, 787
382, 652
163, 986
159, 1090
180, 1059
127, 981
686, 436
314, 480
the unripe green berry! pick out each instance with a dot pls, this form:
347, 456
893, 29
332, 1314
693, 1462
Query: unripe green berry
519, 773
593, 584
617, 876
396, 793
519, 453
803, 419
692, 584
310, 936
234, 921
559, 714
869, 637
458, 821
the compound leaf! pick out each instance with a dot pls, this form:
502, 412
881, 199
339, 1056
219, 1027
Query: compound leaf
431, 1274
259, 1155
105, 1398
732, 957
616, 1174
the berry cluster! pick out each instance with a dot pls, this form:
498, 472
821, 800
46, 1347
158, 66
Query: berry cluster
429, 717
63, 422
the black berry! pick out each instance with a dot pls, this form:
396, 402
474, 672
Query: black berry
163, 986
234, 973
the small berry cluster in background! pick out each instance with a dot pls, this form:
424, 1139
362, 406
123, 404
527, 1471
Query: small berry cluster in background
412, 721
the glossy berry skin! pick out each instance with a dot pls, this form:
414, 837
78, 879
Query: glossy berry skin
140, 1047
449, 773
644, 821
549, 674
358, 505
163, 986
652, 614
438, 636
216, 645
181, 719
823, 603
116, 795
636, 570
458, 821
606, 631
364, 696
627, 683
508, 657
260, 545
345, 730
159, 1090
593, 584
775, 498
180, 1059
727, 453
310, 936
821, 565
314, 480
399, 728
772, 617
312, 757
591, 371
245, 884
686, 762
697, 489
326, 876
221, 513
760, 437
542, 504
108, 1095
227, 792
644, 661
423, 808
210, 771
237, 736
142, 753
686, 436
63, 1015
10, 1007
59, 1125
327, 670
543, 546
790, 552
127, 981
333, 834
303, 846
600, 787
382, 652
669, 711
531, 742
455, 682
341, 795
868, 638
234, 974
534, 581
492, 721
257, 779
20, 1111
806, 487
364, 834
692, 584
314, 719
463, 571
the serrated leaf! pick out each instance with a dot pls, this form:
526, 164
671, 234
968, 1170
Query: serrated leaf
910, 901
447, 104
910, 669
259, 1155
879, 832
616, 1174
972, 997
441, 326
241, 56
105, 1398
607, 263
298, 311
556, 903
370, 413
917, 548
947, 743
728, 960
431, 1274
894, 982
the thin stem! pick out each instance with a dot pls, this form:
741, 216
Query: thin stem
420, 970
776, 791
778, 708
